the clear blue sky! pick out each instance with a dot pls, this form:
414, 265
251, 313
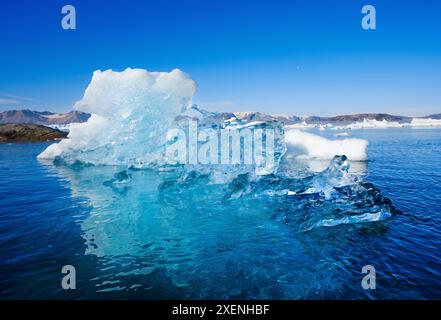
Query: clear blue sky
299, 57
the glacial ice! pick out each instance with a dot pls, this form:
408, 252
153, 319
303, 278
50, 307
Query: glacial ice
328, 199
131, 112
369, 124
309, 145
427, 122
384, 124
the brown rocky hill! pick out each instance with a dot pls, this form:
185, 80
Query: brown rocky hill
28, 133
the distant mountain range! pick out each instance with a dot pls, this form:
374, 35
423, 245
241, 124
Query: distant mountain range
41, 117
49, 118
434, 116
370, 116
349, 118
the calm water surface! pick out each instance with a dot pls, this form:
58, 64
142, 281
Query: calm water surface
155, 239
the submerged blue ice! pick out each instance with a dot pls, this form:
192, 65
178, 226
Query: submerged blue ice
178, 230
179, 217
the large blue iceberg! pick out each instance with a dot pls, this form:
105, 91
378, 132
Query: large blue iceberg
133, 112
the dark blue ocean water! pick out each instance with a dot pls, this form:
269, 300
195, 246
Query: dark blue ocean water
155, 239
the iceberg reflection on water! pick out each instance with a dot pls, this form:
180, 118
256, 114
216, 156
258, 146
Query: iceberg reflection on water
182, 225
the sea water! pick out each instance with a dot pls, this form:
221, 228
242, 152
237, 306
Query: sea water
149, 234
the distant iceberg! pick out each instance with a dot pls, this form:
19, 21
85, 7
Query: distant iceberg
367, 124
370, 124
425, 122
61, 127
383, 124
313, 146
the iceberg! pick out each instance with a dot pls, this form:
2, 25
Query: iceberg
384, 124
131, 112
425, 122
342, 134
309, 145
330, 198
137, 117
371, 124
152, 226
151, 220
